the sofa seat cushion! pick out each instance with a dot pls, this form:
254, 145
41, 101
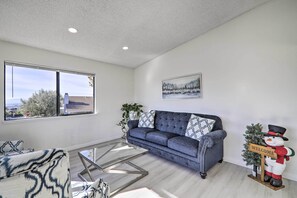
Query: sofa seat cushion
140, 132
159, 137
172, 122
184, 145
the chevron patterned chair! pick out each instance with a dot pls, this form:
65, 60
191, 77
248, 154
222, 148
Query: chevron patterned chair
44, 174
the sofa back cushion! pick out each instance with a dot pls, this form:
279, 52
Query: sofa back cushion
172, 122
176, 122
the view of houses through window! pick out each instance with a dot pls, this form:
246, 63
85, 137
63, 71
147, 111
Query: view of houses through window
34, 92
77, 91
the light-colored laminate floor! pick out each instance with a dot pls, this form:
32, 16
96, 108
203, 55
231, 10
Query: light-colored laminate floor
170, 180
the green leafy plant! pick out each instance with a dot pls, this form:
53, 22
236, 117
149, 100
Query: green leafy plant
126, 108
40, 104
6, 112
253, 134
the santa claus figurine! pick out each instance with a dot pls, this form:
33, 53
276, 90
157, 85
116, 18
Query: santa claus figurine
275, 167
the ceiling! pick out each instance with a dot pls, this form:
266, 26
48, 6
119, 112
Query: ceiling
148, 27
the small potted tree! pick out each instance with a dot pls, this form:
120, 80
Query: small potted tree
253, 134
130, 111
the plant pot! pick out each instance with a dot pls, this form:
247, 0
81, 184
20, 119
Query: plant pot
255, 171
133, 115
124, 135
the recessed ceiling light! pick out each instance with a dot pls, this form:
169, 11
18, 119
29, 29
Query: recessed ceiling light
72, 30
125, 48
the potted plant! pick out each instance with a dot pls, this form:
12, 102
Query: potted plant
130, 111
253, 134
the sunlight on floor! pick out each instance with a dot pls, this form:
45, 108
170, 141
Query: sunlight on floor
141, 192
169, 195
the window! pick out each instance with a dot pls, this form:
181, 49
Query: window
77, 91
34, 92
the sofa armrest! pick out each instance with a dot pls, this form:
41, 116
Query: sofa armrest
210, 139
210, 150
132, 124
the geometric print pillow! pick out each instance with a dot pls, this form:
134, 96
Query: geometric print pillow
147, 119
10, 146
197, 127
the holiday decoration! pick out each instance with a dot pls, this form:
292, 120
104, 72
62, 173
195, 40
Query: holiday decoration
263, 151
253, 135
273, 157
275, 167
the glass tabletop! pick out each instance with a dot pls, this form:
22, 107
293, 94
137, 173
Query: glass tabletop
113, 153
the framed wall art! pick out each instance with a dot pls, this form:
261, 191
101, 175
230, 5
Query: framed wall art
182, 87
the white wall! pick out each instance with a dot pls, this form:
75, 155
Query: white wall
249, 68
114, 86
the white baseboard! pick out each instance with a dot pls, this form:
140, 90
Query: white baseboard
290, 176
235, 161
286, 175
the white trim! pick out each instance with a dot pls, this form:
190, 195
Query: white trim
44, 67
48, 118
290, 176
235, 161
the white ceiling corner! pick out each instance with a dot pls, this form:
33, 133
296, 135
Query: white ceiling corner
148, 27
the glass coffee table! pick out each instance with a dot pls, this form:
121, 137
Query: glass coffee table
107, 157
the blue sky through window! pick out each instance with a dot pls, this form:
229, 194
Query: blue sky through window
27, 81
75, 85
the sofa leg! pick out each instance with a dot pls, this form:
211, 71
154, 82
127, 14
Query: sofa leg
220, 161
203, 175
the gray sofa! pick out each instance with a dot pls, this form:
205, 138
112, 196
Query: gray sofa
167, 139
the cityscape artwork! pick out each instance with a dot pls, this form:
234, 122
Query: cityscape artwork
182, 87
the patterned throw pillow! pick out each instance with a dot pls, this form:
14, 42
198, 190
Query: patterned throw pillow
10, 146
147, 119
197, 127
11, 153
